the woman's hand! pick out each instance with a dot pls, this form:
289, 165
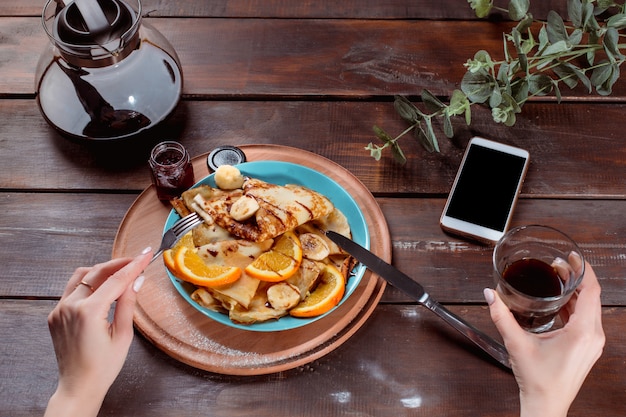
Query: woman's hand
551, 367
90, 349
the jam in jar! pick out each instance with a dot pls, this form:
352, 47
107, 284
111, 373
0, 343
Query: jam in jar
171, 168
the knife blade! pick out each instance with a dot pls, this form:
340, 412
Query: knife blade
415, 290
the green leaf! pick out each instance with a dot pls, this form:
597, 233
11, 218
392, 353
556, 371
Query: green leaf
397, 153
606, 88
521, 55
588, 19
543, 38
478, 86
406, 109
575, 37
481, 7
566, 74
518, 9
557, 91
421, 137
510, 101
592, 24
575, 12
510, 120
539, 84
617, 21
600, 74
503, 74
556, 48
468, 115
556, 28
610, 41
496, 98
458, 103
520, 90
448, 130
427, 137
431, 102
375, 151
529, 43
525, 23
571, 74
430, 133
481, 60
604, 4
382, 135
505, 113
592, 39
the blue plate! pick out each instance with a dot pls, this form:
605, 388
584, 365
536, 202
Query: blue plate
281, 173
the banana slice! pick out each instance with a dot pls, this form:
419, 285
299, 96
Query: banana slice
228, 177
244, 208
283, 296
313, 247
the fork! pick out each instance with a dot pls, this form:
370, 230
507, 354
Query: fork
178, 230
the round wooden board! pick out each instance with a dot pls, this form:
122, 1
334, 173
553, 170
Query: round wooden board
187, 335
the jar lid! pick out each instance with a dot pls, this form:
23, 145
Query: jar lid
225, 155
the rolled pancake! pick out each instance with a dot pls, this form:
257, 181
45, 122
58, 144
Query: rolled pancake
281, 208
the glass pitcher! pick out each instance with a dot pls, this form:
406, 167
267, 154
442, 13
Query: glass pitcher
105, 75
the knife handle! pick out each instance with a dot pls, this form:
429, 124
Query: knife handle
493, 348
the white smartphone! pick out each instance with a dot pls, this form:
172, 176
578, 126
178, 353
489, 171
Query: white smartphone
485, 190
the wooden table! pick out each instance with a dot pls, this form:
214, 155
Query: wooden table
316, 76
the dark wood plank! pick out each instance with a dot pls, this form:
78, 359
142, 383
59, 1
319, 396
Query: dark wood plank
454, 270
403, 357
571, 157
42, 252
298, 58
361, 9
79, 229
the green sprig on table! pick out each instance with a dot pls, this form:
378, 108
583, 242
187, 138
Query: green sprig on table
534, 64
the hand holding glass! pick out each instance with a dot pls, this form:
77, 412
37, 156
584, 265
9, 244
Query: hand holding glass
536, 271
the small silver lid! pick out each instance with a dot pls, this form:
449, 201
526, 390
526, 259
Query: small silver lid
225, 155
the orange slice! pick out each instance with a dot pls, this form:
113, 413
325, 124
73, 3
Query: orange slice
168, 260
280, 262
190, 267
325, 296
168, 255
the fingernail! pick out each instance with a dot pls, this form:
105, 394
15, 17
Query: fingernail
489, 297
138, 283
146, 250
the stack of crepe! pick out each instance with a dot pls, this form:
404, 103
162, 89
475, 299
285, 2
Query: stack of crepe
235, 240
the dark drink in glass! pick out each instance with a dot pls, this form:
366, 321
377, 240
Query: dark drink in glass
171, 169
536, 270
535, 278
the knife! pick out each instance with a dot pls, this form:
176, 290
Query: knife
414, 290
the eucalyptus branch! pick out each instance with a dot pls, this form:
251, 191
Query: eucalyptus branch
534, 64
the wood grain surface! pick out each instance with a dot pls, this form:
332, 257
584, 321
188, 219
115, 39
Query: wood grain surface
315, 76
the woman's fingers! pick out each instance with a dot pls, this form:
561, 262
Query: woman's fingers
503, 318
122, 326
86, 281
112, 287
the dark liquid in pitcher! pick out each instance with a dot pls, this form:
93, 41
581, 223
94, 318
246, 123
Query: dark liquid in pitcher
105, 120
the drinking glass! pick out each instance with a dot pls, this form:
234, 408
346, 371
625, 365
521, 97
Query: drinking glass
536, 269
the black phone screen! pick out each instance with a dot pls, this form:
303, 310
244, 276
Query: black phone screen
486, 187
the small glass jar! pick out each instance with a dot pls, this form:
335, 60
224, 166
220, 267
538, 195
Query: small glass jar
171, 168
